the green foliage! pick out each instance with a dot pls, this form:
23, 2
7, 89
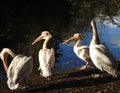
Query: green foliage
82, 11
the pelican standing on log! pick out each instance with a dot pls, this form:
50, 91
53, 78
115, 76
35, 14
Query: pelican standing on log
101, 56
20, 67
81, 51
46, 55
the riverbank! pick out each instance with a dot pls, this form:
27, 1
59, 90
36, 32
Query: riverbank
69, 81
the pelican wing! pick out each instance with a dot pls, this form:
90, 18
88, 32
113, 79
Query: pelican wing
20, 67
46, 57
46, 61
82, 51
83, 47
24, 68
104, 59
105, 50
52, 58
12, 67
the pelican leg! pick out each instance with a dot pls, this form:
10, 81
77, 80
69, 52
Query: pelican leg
101, 74
41, 73
85, 66
49, 78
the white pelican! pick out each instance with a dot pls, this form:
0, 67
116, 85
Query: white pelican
81, 51
46, 55
101, 56
20, 67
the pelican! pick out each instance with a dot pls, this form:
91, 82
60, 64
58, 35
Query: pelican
101, 56
20, 67
81, 51
46, 55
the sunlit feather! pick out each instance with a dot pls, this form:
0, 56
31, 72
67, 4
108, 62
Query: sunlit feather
101, 55
20, 67
81, 51
46, 55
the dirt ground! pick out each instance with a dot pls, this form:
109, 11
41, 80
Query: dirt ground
69, 81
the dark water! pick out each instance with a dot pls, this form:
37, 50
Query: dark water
21, 23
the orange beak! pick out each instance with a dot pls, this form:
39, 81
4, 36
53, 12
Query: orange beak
37, 39
69, 40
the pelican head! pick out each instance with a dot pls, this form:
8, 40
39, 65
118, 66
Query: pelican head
2, 56
44, 35
76, 36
